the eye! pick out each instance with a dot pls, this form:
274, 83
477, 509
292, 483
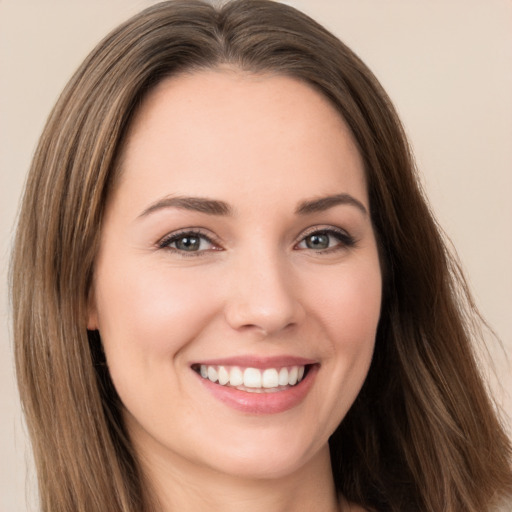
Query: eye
326, 240
188, 243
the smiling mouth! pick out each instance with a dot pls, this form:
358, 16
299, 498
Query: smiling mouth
253, 380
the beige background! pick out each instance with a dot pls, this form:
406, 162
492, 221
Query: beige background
447, 65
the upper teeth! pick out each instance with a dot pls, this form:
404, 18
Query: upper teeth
253, 377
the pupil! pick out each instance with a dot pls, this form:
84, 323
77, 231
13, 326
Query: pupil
318, 241
188, 243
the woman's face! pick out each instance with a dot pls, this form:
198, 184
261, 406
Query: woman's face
237, 246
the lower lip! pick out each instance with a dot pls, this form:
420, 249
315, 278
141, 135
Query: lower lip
262, 403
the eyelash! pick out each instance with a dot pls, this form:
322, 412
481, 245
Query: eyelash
345, 240
165, 242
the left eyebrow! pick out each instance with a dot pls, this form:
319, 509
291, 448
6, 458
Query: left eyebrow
324, 203
197, 204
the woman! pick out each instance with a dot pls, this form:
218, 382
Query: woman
230, 291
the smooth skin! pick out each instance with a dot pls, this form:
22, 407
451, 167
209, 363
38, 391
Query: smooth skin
249, 273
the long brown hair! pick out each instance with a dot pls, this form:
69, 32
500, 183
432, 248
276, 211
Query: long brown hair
422, 434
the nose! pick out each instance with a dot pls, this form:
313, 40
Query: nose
262, 296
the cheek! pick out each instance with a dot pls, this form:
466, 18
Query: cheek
150, 314
348, 308
349, 304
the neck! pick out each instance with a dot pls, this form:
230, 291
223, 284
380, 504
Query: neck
182, 486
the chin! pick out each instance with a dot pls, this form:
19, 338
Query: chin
267, 456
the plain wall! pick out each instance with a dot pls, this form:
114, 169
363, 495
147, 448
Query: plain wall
447, 66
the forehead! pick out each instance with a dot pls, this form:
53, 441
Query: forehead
200, 131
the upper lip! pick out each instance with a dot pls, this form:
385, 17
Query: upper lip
260, 362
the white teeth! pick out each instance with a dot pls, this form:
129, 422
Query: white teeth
236, 376
212, 374
283, 377
253, 378
223, 376
270, 378
293, 374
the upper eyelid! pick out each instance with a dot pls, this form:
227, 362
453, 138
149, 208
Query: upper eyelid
322, 229
170, 237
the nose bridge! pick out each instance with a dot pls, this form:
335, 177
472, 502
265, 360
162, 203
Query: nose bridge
261, 294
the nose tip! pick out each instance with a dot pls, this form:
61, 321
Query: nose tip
263, 302
267, 321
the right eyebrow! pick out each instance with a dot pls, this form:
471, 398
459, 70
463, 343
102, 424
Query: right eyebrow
324, 203
197, 204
